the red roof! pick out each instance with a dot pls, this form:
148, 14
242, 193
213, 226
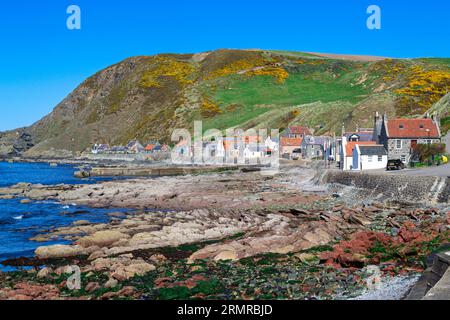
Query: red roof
291, 142
412, 128
149, 147
230, 142
352, 144
252, 139
300, 130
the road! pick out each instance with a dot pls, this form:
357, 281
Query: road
439, 171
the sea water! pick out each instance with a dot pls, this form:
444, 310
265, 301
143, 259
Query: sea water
21, 221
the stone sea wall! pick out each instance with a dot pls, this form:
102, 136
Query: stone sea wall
395, 186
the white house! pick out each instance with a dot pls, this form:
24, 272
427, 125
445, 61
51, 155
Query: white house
369, 157
214, 152
273, 145
346, 152
100, 148
252, 154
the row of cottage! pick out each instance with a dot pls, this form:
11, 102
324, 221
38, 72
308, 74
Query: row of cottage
133, 147
390, 139
365, 149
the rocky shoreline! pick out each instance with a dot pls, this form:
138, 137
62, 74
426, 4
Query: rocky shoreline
229, 235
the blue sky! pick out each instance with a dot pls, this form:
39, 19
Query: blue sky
42, 61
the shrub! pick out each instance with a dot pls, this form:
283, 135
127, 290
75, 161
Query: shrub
209, 109
161, 66
426, 152
424, 89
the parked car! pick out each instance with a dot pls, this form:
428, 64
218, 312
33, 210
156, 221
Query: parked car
395, 165
296, 154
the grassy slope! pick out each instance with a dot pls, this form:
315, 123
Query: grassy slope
324, 96
255, 96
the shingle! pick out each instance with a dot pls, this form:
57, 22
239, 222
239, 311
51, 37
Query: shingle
372, 150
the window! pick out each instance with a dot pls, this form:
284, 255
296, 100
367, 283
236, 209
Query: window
428, 141
401, 126
380, 158
403, 158
370, 158
398, 144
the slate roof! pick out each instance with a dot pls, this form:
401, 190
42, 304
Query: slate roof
310, 140
376, 150
363, 135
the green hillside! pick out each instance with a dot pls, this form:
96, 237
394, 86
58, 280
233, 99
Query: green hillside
148, 97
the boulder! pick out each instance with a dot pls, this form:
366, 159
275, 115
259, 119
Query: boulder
44, 273
91, 287
139, 269
102, 263
111, 283
127, 291
58, 251
96, 254
158, 258
81, 223
120, 275
284, 250
226, 255
102, 238
82, 174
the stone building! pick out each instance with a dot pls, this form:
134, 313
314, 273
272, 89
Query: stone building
400, 136
297, 132
315, 147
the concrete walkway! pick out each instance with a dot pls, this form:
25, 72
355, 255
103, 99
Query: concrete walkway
441, 290
434, 284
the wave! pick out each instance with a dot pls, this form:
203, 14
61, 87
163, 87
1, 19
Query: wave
4, 222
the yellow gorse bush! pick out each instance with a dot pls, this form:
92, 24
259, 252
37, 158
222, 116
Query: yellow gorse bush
390, 68
162, 66
209, 109
424, 88
310, 61
279, 73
